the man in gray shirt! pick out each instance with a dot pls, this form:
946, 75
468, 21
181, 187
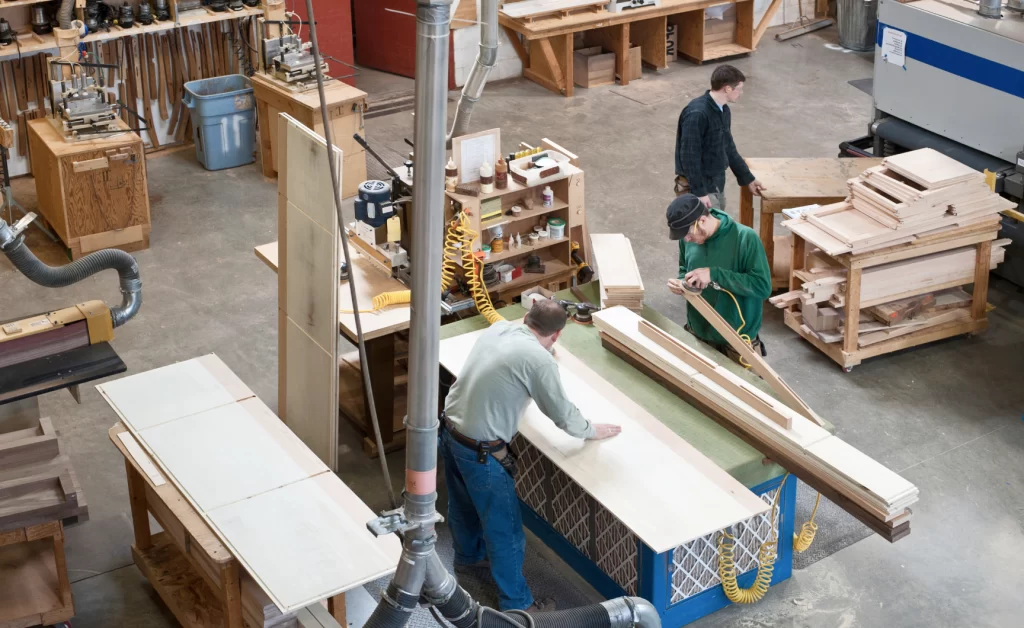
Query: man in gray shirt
509, 365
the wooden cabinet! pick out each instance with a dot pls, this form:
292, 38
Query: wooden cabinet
93, 193
345, 107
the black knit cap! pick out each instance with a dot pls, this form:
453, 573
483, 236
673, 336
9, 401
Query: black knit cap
682, 213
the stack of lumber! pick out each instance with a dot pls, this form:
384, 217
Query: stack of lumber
529, 10
910, 195
616, 267
863, 487
884, 302
37, 482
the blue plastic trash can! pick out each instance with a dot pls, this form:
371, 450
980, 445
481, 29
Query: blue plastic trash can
223, 114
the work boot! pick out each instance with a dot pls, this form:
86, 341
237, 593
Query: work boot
542, 606
477, 569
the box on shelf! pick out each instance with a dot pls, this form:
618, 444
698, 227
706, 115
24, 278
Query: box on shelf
535, 294
521, 171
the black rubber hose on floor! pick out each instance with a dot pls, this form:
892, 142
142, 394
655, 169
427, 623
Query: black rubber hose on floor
63, 276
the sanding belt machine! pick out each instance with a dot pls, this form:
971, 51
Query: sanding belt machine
949, 75
69, 346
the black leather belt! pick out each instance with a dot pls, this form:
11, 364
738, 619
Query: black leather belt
498, 449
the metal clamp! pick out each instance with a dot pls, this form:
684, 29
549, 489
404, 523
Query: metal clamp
394, 522
19, 227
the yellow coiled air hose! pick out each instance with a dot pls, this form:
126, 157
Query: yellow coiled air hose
459, 243
385, 299
765, 562
743, 323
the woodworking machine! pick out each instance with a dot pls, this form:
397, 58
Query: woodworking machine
289, 59
949, 75
80, 107
618, 6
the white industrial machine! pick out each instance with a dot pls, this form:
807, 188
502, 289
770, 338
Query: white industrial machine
618, 6
287, 58
949, 75
80, 108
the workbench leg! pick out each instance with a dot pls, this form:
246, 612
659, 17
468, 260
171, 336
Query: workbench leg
517, 44
63, 584
852, 307
336, 607
567, 64
979, 300
380, 360
767, 232
137, 501
746, 206
622, 54
545, 66
266, 146
232, 587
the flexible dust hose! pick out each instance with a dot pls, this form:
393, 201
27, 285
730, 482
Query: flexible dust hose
65, 13
486, 59
62, 276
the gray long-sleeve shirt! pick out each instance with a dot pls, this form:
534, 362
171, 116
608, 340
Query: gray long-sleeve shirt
506, 368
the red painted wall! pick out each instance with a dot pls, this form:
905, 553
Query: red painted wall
333, 29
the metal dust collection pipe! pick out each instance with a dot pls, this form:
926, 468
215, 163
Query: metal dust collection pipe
990, 8
486, 59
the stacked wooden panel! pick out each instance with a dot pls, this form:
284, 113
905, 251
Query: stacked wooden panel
616, 267
910, 195
868, 490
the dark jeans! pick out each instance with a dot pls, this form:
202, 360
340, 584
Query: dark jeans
484, 517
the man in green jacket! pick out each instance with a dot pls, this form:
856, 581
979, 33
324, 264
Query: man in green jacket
716, 251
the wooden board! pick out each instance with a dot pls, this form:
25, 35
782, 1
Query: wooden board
796, 178
529, 9
649, 478
617, 269
932, 169
308, 284
314, 524
788, 396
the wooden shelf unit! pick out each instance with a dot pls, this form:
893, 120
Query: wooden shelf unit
554, 253
847, 353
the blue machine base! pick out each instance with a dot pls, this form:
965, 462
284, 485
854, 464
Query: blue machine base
655, 575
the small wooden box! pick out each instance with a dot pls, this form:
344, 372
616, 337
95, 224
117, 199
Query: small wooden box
94, 193
592, 67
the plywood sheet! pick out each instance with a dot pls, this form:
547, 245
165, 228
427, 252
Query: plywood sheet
174, 391
930, 168
243, 445
306, 541
648, 477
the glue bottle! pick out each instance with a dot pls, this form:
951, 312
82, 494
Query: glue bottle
548, 197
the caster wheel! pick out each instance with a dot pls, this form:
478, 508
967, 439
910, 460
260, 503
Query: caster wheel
847, 369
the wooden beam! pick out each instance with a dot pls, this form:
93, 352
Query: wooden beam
517, 44
759, 366
762, 26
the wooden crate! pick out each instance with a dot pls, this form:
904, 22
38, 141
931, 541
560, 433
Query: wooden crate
592, 67
93, 193
346, 106
34, 585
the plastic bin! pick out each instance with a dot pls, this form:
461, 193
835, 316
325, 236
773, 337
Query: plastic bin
223, 114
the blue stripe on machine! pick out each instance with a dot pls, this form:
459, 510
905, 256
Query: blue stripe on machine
963, 64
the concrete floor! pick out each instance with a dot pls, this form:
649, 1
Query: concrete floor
947, 416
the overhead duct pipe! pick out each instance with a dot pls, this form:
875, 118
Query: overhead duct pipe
12, 243
990, 8
65, 13
486, 59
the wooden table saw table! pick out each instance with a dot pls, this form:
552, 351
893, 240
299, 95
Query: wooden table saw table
683, 583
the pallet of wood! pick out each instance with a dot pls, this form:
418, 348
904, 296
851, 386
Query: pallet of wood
616, 268
909, 196
875, 495
857, 306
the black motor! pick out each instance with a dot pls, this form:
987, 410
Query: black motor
6, 33
126, 18
145, 16
161, 10
41, 21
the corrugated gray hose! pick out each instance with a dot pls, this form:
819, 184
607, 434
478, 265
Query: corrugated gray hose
65, 13
63, 276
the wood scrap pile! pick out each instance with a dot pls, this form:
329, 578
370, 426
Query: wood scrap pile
863, 487
617, 270
37, 482
886, 310
910, 195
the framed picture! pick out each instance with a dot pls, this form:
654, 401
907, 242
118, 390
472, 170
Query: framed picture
472, 151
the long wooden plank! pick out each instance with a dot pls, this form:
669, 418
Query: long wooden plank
536, 8
789, 397
877, 489
300, 533
649, 478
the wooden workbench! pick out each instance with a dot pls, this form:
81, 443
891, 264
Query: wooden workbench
195, 575
546, 48
346, 106
791, 182
379, 332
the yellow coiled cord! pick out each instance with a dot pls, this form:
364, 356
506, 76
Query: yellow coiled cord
802, 542
459, 243
385, 299
765, 562
743, 323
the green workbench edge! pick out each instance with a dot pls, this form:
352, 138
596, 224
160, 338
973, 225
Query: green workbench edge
726, 450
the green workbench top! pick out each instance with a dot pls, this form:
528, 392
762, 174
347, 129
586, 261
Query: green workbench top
740, 460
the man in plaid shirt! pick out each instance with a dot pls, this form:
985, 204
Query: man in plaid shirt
704, 145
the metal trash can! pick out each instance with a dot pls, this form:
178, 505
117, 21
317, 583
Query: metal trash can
223, 112
858, 23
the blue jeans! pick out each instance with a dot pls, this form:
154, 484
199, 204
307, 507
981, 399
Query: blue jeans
484, 517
